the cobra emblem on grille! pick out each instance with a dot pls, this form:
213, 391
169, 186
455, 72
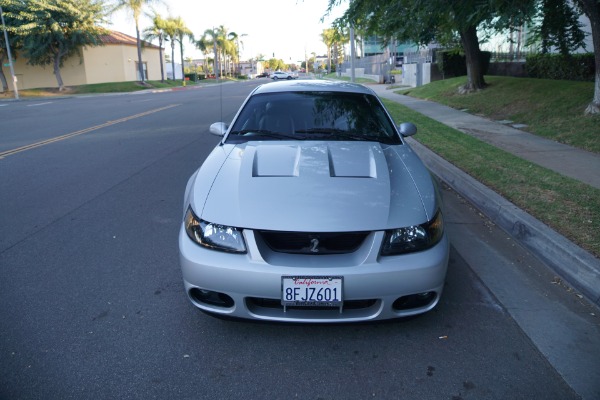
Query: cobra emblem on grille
314, 245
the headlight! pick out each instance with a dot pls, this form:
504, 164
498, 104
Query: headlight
214, 236
413, 238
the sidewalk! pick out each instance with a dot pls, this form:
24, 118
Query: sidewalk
577, 266
578, 164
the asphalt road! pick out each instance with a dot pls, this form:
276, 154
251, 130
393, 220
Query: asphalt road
92, 303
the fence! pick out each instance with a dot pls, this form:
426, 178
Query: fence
420, 56
373, 67
517, 56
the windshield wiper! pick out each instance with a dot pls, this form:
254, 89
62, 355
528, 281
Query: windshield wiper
251, 133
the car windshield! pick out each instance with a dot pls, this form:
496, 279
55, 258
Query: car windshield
313, 116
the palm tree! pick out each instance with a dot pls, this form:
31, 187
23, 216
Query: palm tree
221, 39
233, 47
170, 30
328, 37
181, 31
210, 39
157, 31
136, 8
333, 38
223, 45
234, 38
204, 45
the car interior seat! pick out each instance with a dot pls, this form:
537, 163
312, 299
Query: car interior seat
277, 119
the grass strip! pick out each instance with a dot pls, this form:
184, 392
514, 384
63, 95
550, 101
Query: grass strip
112, 87
568, 206
550, 108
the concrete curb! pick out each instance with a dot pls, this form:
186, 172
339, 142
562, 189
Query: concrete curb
578, 267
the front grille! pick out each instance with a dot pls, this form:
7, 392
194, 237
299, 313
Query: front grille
315, 243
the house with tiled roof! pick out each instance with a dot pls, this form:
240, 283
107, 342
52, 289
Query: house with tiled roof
115, 61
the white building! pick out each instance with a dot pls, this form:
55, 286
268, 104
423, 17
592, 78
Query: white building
169, 71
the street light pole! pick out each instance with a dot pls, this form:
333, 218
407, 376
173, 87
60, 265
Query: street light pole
12, 71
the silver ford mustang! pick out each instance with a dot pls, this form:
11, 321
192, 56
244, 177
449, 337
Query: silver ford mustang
313, 208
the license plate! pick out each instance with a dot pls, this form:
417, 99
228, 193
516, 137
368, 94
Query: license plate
318, 291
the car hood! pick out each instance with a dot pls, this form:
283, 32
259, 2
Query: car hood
314, 186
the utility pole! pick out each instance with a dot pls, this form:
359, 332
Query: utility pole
352, 55
12, 71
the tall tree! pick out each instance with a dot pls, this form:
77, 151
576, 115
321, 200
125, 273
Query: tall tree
276, 64
442, 21
170, 30
157, 32
558, 27
11, 10
226, 48
52, 31
328, 37
210, 42
333, 39
181, 32
136, 7
591, 8
218, 40
236, 42
204, 45
231, 51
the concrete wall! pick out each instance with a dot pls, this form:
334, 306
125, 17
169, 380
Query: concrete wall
29, 76
109, 63
169, 71
416, 74
360, 73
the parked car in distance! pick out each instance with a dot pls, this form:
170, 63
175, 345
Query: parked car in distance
263, 75
281, 75
313, 208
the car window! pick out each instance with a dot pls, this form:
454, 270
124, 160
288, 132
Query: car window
314, 116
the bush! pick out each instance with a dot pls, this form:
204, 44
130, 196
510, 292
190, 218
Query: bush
575, 67
193, 77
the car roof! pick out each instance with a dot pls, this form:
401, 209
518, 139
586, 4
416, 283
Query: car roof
312, 86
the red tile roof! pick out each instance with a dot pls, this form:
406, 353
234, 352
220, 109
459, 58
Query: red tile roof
115, 37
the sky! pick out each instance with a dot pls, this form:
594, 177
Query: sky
287, 29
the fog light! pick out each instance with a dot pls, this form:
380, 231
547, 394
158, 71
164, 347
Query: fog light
211, 298
414, 301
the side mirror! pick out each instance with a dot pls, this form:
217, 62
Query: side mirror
218, 128
407, 129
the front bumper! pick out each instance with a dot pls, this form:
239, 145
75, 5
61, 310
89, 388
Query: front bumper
375, 288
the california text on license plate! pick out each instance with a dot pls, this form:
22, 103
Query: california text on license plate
321, 291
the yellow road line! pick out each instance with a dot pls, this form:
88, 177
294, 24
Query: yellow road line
81, 132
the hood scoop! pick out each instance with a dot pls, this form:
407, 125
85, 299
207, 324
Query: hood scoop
343, 161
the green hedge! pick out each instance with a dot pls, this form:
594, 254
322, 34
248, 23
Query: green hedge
576, 67
452, 63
